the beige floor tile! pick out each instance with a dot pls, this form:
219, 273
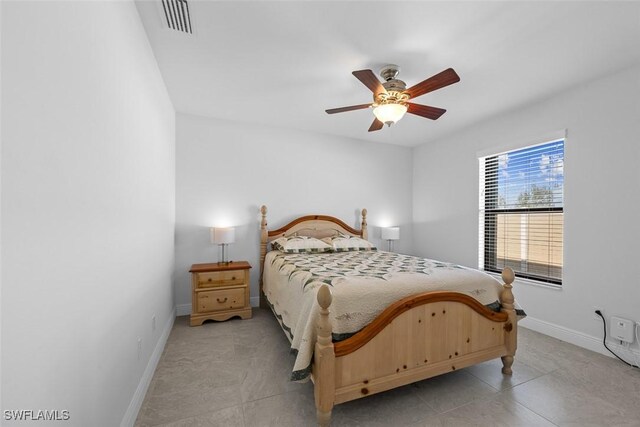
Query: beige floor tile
397, 407
448, 391
228, 417
497, 411
559, 399
610, 380
269, 377
264, 339
292, 409
236, 373
169, 407
491, 373
202, 376
199, 350
547, 354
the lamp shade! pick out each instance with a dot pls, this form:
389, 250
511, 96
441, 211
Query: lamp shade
222, 235
389, 113
391, 233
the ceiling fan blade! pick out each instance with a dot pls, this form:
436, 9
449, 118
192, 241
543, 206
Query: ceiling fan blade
432, 113
440, 80
370, 80
376, 125
350, 108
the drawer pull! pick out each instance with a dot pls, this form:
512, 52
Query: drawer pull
209, 279
233, 278
223, 301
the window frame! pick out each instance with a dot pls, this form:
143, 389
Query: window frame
485, 206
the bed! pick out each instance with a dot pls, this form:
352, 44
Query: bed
390, 336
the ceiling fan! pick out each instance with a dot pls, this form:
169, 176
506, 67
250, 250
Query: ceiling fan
391, 98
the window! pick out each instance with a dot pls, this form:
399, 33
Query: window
521, 211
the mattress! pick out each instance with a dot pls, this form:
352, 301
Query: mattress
363, 284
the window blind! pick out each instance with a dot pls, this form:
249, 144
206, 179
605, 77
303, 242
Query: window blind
521, 211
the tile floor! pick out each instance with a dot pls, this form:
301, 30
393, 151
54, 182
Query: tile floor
235, 374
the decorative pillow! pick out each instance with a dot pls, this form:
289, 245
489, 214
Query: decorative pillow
300, 244
344, 243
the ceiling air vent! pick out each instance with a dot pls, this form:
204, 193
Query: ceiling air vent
178, 16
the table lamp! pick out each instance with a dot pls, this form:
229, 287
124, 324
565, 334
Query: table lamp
390, 234
222, 236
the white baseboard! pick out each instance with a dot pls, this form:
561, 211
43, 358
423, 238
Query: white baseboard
576, 338
131, 414
183, 309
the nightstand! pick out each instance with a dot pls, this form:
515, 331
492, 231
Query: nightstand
219, 291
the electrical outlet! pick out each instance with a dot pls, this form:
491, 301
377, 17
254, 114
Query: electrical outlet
139, 348
595, 316
153, 323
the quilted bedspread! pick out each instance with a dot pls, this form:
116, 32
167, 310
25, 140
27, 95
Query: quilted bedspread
363, 284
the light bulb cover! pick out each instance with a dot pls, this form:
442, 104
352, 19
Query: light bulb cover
389, 113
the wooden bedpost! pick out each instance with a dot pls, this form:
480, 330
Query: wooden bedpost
363, 225
324, 361
263, 252
511, 327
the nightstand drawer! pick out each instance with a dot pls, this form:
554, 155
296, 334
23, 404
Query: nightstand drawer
221, 300
220, 278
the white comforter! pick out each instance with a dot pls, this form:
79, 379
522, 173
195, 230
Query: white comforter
363, 284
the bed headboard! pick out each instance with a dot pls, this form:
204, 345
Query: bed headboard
318, 226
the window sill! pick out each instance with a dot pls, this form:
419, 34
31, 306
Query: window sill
528, 281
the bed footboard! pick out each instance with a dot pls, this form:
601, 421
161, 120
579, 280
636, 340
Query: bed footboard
416, 338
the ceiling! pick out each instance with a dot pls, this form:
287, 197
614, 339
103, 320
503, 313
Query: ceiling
284, 63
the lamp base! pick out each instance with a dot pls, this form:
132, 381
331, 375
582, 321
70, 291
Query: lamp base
223, 260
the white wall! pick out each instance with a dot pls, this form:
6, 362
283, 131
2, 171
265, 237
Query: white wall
88, 207
226, 171
602, 201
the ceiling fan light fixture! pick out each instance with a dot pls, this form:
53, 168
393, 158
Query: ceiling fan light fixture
391, 98
390, 113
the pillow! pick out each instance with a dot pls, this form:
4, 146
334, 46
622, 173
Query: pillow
300, 244
344, 243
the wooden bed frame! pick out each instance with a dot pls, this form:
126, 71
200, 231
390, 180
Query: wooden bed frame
416, 338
